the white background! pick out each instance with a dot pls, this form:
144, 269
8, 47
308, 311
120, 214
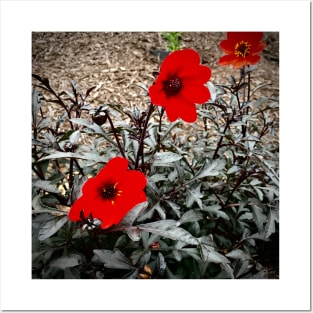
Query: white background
291, 19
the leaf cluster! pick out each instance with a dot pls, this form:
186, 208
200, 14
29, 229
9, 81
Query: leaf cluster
213, 187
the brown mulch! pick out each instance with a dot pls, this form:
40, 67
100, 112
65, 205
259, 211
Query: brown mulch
116, 61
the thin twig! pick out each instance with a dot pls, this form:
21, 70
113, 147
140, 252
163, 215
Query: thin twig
115, 134
142, 137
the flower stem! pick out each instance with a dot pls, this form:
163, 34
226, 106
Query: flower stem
244, 127
115, 134
221, 139
142, 137
160, 128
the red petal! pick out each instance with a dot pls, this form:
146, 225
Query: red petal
196, 75
258, 47
79, 205
132, 180
178, 59
157, 95
180, 107
253, 59
196, 93
116, 166
228, 46
227, 59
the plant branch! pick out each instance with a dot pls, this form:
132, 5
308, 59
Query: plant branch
115, 134
142, 137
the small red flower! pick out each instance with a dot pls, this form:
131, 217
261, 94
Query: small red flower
241, 48
111, 194
180, 85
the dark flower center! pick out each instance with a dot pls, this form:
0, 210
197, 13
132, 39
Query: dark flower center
110, 191
172, 86
242, 49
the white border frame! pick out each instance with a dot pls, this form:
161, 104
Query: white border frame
19, 19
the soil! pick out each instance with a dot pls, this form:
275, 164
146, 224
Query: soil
116, 61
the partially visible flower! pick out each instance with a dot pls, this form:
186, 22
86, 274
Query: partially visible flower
241, 48
180, 85
111, 194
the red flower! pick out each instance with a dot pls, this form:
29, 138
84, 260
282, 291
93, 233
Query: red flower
242, 48
180, 84
111, 194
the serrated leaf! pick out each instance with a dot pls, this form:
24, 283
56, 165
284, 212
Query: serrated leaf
190, 216
175, 207
46, 185
93, 126
50, 227
246, 216
84, 156
270, 225
168, 229
166, 157
132, 215
216, 211
238, 254
113, 259
194, 195
234, 169
38, 207
209, 254
213, 168
66, 261
259, 217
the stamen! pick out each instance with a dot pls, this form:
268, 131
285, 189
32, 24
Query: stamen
110, 191
172, 86
242, 49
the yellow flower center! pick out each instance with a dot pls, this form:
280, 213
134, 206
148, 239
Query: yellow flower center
242, 49
110, 191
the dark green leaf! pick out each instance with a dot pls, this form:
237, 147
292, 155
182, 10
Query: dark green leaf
168, 229
194, 195
213, 168
50, 227
66, 261
132, 215
93, 126
190, 216
209, 254
238, 254
270, 225
161, 158
45, 185
215, 210
113, 259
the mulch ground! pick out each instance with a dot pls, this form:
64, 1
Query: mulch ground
116, 61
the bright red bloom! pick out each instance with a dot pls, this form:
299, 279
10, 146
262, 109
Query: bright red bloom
180, 85
111, 194
241, 48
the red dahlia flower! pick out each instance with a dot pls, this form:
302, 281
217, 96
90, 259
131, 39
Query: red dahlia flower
242, 48
180, 84
111, 194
